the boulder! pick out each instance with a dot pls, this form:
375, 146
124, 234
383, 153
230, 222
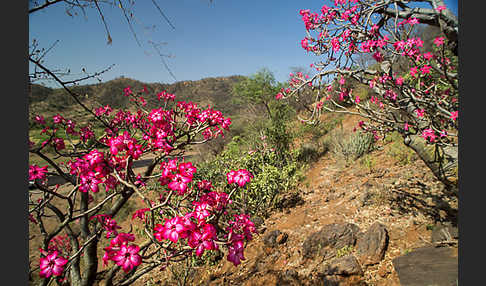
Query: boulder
329, 239
428, 266
444, 232
289, 201
345, 266
270, 239
371, 246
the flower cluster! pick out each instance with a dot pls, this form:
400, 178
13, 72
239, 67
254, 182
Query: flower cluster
240, 229
177, 176
429, 70
60, 243
92, 170
110, 225
125, 143
122, 253
165, 95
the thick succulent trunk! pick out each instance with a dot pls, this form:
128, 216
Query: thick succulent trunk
442, 161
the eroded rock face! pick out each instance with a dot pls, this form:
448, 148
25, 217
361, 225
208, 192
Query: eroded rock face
444, 232
344, 266
372, 245
428, 266
329, 239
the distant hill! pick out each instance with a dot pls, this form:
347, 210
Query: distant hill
208, 91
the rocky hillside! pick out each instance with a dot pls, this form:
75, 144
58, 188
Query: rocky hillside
213, 91
387, 222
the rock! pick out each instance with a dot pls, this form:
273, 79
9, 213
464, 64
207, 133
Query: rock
270, 239
289, 201
288, 277
346, 265
364, 198
258, 221
428, 266
329, 239
282, 238
336, 280
371, 246
444, 232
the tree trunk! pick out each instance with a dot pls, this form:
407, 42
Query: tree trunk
442, 161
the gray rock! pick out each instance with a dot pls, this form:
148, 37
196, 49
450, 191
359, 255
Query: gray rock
288, 277
346, 265
428, 266
444, 232
270, 239
371, 246
364, 198
329, 239
289, 201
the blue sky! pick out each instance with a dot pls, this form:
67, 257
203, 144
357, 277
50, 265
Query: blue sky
219, 39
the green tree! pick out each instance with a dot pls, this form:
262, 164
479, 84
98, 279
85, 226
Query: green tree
258, 90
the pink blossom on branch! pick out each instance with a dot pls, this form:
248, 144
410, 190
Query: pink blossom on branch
36, 172
240, 177
52, 264
127, 257
454, 115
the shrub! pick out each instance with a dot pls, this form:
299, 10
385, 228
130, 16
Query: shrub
398, 151
272, 176
350, 147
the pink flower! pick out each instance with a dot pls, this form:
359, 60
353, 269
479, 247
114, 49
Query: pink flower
140, 213
439, 41
179, 183
413, 71
335, 44
40, 119
127, 91
429, 134
203, 239
406, 126
428, 56
440, 8
36, 172
305, 44
173, 229
425, 69
127, 257
52, 265
201, 210
342, 80
187, 169
231, 177
413, 21
399, 81
235, 252
357, 100
59, 143
205, 185
378, 56
454, 115
57, 118
240, 177
420, 112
